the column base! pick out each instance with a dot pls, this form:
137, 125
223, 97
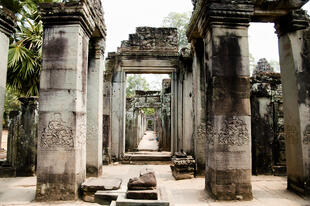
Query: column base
92, 171
55, 192
229, 184
298, 186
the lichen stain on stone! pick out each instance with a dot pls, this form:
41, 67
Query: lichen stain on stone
56, 47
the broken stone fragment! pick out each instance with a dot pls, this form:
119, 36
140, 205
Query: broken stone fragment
92, 185
146, 181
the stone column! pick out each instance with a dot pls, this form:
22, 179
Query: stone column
106, 138
294, 43
228, 153
95, 108
118, 108
188, 112
7, 24
61, 162
26, 140
199, 100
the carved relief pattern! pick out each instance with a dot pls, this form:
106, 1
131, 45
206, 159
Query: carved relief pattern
211, 134
307, 135
57, 135
201, 133
234, 132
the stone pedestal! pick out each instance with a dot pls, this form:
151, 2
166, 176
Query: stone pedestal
95, 108
294, 44
7, 23
228, 127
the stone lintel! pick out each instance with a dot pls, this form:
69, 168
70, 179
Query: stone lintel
88, 14
295, 20
7, 21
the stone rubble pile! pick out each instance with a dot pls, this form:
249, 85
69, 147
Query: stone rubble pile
143, 187
183, 166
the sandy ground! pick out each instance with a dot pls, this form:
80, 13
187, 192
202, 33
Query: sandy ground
267, 190
148, 142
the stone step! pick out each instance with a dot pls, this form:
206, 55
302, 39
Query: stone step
146, 156
123, 201
7, 171
107, 197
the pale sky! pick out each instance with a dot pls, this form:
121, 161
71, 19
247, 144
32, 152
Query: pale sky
123, 16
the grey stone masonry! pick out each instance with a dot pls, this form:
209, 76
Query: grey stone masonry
61, 162
7, 24
228, 125
95, 108
294, 43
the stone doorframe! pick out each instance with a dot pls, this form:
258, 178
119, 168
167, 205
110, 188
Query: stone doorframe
129, 65
218, 32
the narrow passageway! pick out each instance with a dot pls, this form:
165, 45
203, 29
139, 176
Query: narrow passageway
148, 142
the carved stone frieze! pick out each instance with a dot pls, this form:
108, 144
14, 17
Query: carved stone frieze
57, 135
234, 132
306, 139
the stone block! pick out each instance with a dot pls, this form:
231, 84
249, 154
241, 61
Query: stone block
142, 194
92, 185
146, 181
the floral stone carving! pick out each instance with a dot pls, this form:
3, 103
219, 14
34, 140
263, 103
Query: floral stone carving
234, 132
57, 135
307, 135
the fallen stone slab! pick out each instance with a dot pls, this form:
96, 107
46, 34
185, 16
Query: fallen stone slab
92, 185
142, 194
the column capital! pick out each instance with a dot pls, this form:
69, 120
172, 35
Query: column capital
87, 13
294, 21
7, 21
226, 13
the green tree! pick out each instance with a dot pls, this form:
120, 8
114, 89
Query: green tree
11, 103
275, 65
24, 61
179, 21
135, 82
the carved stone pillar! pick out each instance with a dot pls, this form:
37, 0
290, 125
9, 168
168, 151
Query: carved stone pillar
61, 162
199, 101
95, 108
228, 127
294, 44
7, 23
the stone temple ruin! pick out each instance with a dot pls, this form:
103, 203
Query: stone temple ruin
211, 109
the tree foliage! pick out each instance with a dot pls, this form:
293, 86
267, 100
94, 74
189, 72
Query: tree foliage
25, 52
11, 103
135, 82
179, 21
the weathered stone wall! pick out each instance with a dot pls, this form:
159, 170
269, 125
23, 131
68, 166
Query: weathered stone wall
268, 140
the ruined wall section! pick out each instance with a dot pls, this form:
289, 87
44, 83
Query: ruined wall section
268, 139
